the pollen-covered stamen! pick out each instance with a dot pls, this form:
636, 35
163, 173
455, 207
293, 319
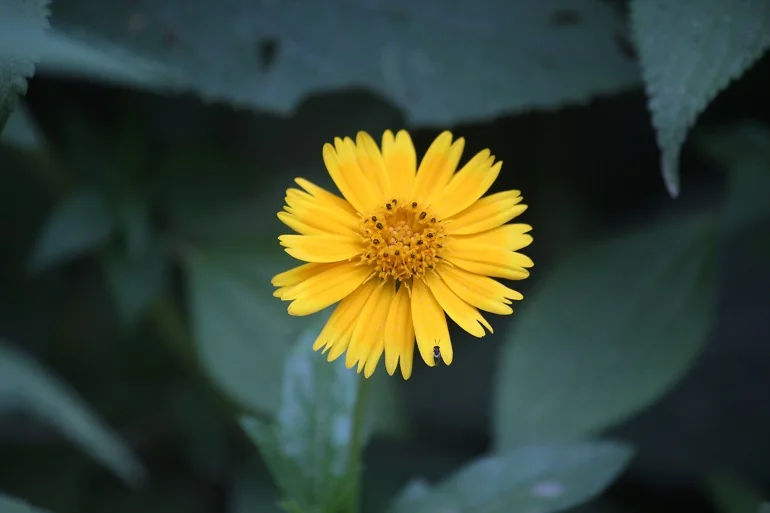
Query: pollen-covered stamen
402, 240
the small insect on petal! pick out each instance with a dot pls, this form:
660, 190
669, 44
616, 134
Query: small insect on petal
437, 353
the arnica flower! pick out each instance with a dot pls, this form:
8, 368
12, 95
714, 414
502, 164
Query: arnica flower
406, 247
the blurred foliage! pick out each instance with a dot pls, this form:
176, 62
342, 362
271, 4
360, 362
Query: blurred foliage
145, 365
28, 386
423, 56
689, 52
732, 496
13, 505
533, 478
668, 272
312, 450
19, 21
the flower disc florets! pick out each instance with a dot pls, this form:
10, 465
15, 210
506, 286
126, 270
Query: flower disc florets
402, 240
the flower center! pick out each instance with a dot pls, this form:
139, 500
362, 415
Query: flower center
402, 241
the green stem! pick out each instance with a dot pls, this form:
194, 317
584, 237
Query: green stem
356, 446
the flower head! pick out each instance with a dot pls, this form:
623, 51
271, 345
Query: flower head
406, 247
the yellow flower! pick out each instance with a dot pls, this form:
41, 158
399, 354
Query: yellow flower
403, 248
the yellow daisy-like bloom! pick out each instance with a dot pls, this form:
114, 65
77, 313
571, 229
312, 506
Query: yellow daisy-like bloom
403, 248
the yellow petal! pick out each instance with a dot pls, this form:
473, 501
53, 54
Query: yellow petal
493, 269
466, 316
509, 236
342, 344
316, 221
430, 326
399, 334
468, 185
329, 273
299, 225
372, 164
487, 213
347, 155
320, 214
343, 167
467, 250
342, 318
373, 359
322, 248
480, 291
325, 288
437, 167
324, 196
400, 161
322, 200
370, 326
338, 330
298, 274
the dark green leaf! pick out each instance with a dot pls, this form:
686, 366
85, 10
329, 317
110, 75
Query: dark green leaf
309, 447
422, 56
535, 479
744, 151
690, 50
765, 508
243, 333
316, 417
733, 496
133, 217
204, 431
61, 54
253, 492
282, 467
390, 465
135, 281
21, 131
32, 388
13, 505
291, 507
416, 491
610, 330
82, 222
21, 22
385, 411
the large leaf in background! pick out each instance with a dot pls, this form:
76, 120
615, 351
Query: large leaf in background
441, 63
535, 479
609, 331
244, 334
81, 222
135, 280
61, 54
744, 151
29, 387
13, 505
689, 51
21, 21
308, 449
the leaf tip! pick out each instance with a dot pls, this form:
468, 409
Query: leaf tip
670, 170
